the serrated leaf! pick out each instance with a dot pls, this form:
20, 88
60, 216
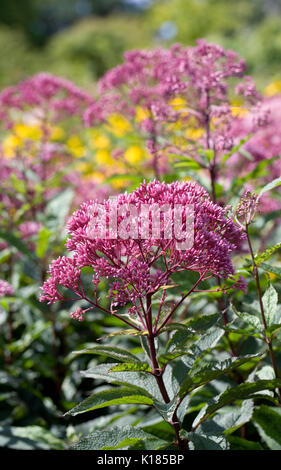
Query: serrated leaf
28, 438
242, 391
166, 410
271, 269
131, 366
116, 438
127, 332
238, 443
201, 441
179, 338
266, 254
204, 322
270, 301
170, 356
251, 320
138, 380
234, 418
203, 373
268, 423
208, 340
112, 397
110, 351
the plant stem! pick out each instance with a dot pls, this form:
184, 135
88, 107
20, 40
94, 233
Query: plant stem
257, 279
157, 371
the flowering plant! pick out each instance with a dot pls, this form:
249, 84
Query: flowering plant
158, 327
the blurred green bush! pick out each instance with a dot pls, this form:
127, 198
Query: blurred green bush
83, 49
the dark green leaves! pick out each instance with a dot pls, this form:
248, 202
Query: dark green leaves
268, 423
112, 397
202, 373
240, 392
117, 438
110, 351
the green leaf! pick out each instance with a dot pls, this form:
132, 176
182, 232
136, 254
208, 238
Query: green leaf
188, 163
273, 184
58, 208
170, 356
208, 340
235, 417
268, 423
28, 438
166, 410
204, 372
179, 338
252, 321
127, 332
242, 391
265, 255
19, 245
270, 301
131, 366
138, 380
238, 443
236, 148
116, 438
271, 269
202, 441
204, 322
42, 242
110, 351
112, 397
30, 335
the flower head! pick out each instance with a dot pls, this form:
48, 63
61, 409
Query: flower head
120, 239
5, 288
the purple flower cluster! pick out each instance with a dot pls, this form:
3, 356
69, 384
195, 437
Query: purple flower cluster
137, 267
200, 77
263, 146
5, 288
45, 93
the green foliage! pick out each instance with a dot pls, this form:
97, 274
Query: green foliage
117, 438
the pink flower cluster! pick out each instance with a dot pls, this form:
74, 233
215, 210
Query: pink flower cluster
5, 288
137, 267
200, 76
45, 93
264, 145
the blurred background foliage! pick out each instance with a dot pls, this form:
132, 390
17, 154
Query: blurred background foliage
81, 39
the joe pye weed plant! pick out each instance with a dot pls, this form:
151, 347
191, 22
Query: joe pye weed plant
177, 358
158, 325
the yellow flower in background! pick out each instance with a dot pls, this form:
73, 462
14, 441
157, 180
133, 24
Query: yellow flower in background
134, 154
238, 111
96, 177
98, 140
178, 103
75, 146
194, 133
142, 114
273, 88
120, 183
119, 126
10, 145
56, 133
24, 131
103, 157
